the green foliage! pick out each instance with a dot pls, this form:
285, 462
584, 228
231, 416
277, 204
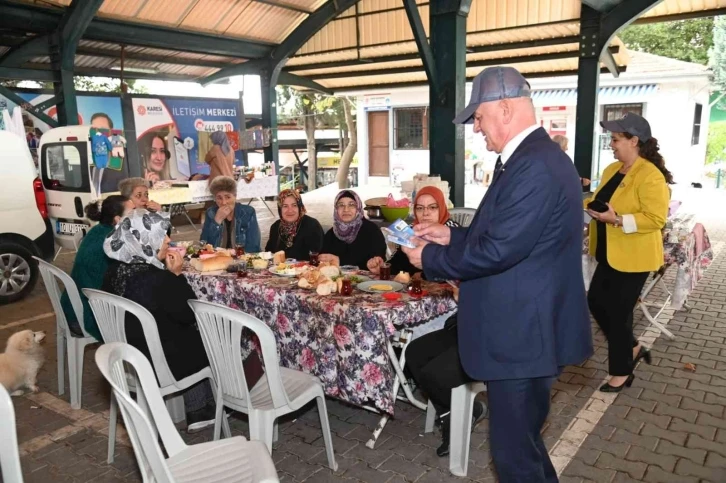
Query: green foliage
687, 40
718, 53
294, 106
99, 84
716, 150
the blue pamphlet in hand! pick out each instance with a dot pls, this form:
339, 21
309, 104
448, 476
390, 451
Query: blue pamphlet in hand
400, 233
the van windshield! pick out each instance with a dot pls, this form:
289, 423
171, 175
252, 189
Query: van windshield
65, 167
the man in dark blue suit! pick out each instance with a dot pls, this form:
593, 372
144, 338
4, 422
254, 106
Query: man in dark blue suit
522, 305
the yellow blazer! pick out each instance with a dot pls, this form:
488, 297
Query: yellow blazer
642, 200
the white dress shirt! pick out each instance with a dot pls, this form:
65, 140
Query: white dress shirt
514, 143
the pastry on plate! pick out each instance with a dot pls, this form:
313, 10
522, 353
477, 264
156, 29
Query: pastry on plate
403, 277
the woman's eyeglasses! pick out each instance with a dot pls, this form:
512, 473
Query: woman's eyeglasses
349, 206
430, 208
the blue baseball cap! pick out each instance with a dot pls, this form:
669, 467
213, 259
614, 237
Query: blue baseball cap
494, 84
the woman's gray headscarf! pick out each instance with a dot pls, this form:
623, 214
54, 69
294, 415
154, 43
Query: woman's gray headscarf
138, 238
220, 139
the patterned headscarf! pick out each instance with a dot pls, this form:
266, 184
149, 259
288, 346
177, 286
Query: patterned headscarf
138, 238
220, 139
288, 229
347, 232
440, 200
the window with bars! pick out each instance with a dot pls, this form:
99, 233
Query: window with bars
410, 128
613, 112
696, 133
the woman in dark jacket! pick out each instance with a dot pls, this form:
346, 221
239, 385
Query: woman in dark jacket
145, 272
295, 232
353, 240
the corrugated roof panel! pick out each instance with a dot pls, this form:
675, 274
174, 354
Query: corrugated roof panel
388, 27
87, 61
339, 34
522, 34
373, 80
321, 58
361, 67
365, 6
310, 5
265, 22
168, 12
348, 13
121, 8
498, 14
606, 95
209, 14
504, 54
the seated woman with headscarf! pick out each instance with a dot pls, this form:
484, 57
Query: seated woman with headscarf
228, 223
429, 206
91, 262
137, 190
353, 240
144, 271
295, 232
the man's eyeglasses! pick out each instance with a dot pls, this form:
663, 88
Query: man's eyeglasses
430, 208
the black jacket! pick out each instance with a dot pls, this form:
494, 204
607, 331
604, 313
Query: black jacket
309, 238
368, 244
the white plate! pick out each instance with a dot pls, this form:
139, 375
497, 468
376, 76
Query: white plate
362, 278
273, 270
365, 286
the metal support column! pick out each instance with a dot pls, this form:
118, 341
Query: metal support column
268, 81
447, 30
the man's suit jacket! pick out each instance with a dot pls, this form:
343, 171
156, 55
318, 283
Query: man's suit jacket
522, 305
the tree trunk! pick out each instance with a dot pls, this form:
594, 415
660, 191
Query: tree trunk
342, 176
309, 123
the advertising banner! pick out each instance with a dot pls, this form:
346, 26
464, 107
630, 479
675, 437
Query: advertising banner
176, 135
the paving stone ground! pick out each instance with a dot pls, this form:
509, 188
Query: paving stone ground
670, 426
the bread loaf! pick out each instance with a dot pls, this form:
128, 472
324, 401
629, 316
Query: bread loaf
220, 262
279, 257
330, 271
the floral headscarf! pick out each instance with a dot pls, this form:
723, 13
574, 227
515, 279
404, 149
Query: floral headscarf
138, 238
288, 229
347, 232
436, 194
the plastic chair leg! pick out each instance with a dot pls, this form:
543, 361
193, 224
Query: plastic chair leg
325, 425
462, 404
61, 360
261, 427
74, 367
430, 418
112, 417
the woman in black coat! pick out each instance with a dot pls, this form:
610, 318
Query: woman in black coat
295, 233
144, 271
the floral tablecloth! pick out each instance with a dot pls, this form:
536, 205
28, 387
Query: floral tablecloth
685, 245
340, 339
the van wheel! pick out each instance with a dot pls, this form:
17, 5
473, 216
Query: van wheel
18, 272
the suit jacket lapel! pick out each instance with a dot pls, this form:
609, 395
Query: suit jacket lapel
627, 180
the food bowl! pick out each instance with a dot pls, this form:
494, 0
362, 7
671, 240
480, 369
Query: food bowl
393, 214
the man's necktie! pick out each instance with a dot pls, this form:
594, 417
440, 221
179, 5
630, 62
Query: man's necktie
497, 169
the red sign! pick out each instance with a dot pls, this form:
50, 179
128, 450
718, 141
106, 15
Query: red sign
554, 108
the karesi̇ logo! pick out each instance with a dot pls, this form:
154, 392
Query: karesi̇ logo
141, 110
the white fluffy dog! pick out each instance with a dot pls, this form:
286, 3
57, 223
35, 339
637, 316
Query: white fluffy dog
20, 363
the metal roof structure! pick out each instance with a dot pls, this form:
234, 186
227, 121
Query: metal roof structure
370, 43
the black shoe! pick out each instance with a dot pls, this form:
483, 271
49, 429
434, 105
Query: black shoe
443, 450
644, 354
477, 414
200, 419
608, 388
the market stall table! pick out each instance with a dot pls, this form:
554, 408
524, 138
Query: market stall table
346, 341
686, 246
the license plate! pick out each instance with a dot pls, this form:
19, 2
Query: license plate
63, 228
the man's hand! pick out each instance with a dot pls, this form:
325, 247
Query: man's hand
414, 254
223, 213
433, 232
174, 262
374, 265
153, 206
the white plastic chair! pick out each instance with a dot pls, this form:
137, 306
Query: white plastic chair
234, 460
9, 456
280, 391
110, 311
78, 238
462, 216
66, 340
462, 406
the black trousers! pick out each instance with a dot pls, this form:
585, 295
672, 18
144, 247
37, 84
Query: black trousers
433, 360
612, 298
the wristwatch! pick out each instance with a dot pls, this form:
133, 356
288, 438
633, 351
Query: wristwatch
618, 220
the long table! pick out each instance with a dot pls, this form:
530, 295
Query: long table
343, 340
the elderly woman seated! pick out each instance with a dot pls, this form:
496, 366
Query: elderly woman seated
137, 190
295, 232
353, 240
144, 271
228, 223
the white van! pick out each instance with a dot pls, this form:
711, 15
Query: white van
25, 230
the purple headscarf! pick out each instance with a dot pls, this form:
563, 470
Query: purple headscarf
348, 231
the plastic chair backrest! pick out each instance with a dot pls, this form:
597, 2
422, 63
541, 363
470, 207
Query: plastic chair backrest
9, 456
462, 216
110, 311
221, 329
110, 359
49, 273
78, 238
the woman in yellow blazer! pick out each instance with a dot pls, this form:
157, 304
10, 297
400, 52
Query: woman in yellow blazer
626, 240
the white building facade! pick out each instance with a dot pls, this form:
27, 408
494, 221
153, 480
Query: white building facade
672, 95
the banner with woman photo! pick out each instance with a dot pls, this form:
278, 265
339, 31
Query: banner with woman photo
174, 135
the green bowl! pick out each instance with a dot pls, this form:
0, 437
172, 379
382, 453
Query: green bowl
393, 214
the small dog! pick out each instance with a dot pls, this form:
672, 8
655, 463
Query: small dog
22, 360
697, 185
